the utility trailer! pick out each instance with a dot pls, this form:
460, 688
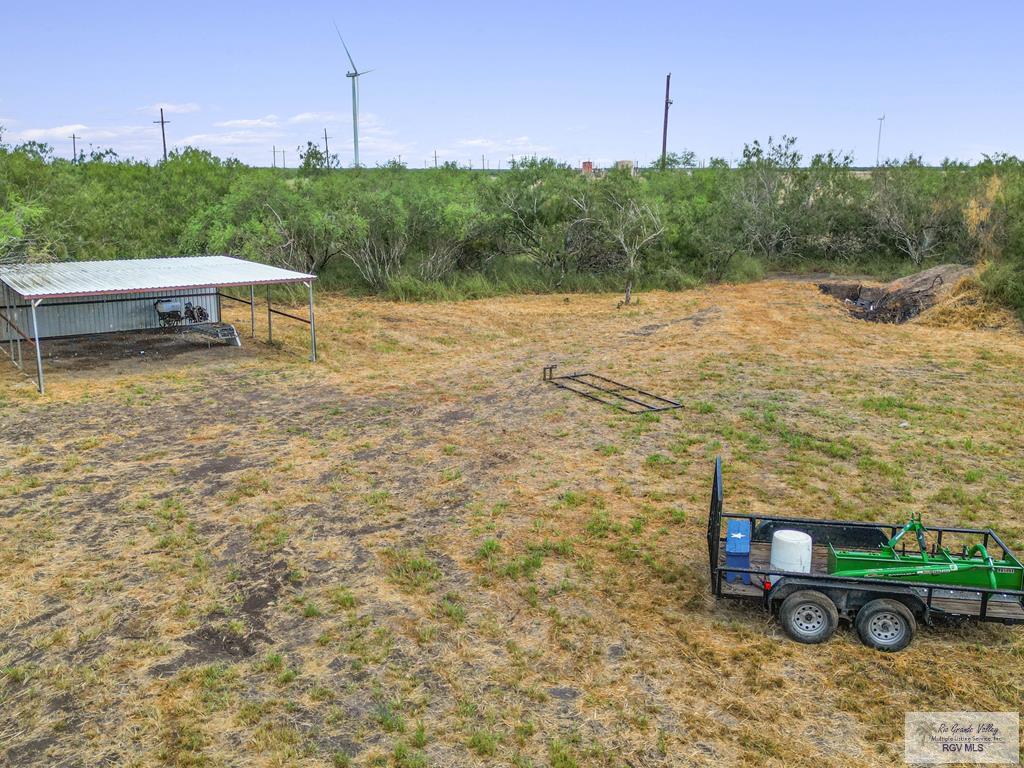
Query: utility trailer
884, 611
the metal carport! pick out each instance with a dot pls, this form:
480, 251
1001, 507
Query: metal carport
83, 292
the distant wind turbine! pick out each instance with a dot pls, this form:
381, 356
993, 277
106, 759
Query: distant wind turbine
354, 75
878, 148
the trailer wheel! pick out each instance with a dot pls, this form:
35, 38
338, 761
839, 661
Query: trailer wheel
809, 616
885, 625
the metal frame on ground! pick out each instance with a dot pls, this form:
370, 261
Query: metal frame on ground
603, 390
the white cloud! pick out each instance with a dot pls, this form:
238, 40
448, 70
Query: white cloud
44, 134
267, 121
498, 147
126, 140
213, 141
382, 146
315, 117
171, 109
121, 132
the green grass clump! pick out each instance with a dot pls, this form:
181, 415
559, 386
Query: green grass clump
413, 571
561, 755
342, 597
489, 549
484, 743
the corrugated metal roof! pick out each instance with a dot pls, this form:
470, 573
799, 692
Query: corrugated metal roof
94, 278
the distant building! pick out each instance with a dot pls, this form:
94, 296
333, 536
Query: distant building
587, 168
627, 165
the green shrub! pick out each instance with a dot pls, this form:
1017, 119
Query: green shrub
1005, 283
672, 279
744, 268
540, 227
406, 287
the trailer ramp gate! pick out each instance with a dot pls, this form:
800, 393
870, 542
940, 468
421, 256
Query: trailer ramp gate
625, 397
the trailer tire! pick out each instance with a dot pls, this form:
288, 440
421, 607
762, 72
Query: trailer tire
809, 616
885, 625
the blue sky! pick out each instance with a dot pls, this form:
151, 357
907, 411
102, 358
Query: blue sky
571, 80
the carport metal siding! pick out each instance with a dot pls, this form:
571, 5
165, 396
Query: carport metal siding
78, 316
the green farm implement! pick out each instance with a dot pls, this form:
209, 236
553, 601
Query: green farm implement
973, 567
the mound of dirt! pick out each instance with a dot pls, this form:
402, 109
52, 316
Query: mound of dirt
901, 300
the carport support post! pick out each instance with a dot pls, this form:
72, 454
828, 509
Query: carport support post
39, 353
312, 324
270, 320
252, 311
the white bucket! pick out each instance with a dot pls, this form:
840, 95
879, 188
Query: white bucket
791, 551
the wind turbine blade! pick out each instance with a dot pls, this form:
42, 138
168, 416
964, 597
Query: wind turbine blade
354, 69
364, 71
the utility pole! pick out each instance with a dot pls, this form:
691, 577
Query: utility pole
878, 147
483, 162
74, 147
435, 158
163, 134
274, 163
664, 127
327, 150
284, 163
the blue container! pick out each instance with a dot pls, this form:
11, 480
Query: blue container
737, 549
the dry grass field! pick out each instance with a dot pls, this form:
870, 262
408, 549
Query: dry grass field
415, 553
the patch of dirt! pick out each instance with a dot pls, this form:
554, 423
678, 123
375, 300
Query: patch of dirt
697, 320
901, 300
212, 643
98, 350
28, 752
212, 469
261, 588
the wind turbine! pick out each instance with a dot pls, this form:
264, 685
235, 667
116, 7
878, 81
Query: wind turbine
354, 75
878, 148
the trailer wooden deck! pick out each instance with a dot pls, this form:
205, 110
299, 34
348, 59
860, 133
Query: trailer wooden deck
954, 602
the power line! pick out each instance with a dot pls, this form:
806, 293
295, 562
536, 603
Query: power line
163, 134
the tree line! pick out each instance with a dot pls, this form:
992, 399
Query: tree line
539, 226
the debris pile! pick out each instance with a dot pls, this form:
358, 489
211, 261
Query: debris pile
900, 300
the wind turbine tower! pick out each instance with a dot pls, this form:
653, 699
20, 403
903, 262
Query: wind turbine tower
878, 147
354, 76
